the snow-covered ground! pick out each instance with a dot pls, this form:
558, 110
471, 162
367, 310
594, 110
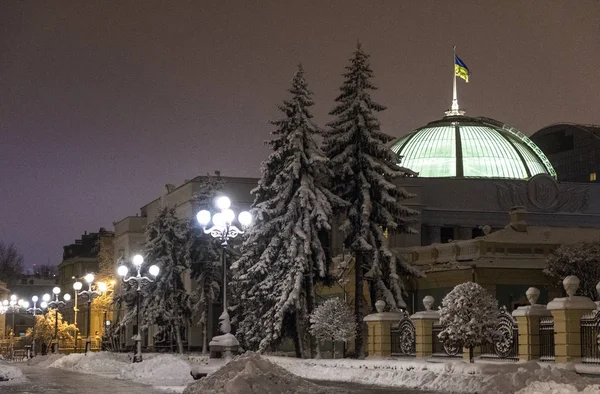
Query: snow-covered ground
167, 372
170, 372
456, 376
10, 374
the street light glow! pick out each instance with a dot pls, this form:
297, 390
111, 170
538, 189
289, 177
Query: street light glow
13, 297
203, 217
25, 304
138, 260
218, 219
245, 218
44, 305
89, 278
122, 270
46, 297
228, 215
34, 298
223, 203
101, 287
77, 285
153, 270
56, 290
67, 297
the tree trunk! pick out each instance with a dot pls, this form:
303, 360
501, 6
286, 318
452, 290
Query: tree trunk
310, 307
333, 342
204, 338
471, 354
296, 339
178, 337
359, 352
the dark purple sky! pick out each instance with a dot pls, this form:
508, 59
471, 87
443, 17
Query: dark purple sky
102, 103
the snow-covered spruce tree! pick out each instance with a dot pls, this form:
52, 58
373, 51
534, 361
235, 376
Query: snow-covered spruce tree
282, 255
166, 302
363, 169
333, 321
469, 316
206, 268
581, 259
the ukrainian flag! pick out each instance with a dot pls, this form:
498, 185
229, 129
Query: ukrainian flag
460, 69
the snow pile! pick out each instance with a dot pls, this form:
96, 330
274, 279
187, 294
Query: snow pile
557, 388
159, 370
250, 373
44, 361
97, 363
9, 374
454, 376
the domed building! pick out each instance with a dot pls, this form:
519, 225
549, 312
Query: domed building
464, 147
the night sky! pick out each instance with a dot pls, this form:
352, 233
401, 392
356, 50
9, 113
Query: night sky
104, 102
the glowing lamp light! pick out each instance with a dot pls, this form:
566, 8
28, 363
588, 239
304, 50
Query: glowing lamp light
67, 297
44, 305
34, 298
219, 219
5, 302
56, 290
20, 302
228, 215
89, 278
77, 285
223, 203
153, 270
245, 218
46, 297
25, 304
122, 270
138, 260
203, 217
13, 297
102, 287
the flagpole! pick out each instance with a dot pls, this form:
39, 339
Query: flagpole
454, 106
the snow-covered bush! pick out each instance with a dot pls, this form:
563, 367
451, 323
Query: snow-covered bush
469, 316
333, 320
581, 259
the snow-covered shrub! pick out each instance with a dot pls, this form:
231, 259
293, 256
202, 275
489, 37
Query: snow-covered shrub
469, 316
581, 259
333, 320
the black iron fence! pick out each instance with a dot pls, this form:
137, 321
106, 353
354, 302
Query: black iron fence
439, 349
506, 345
403, 337
547, 339
590, 338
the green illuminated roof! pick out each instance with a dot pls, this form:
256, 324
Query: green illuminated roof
460, 146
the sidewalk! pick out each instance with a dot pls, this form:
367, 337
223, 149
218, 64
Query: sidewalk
57, 381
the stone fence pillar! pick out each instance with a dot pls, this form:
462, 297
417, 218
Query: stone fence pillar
567, 312
380, 324
423, 322
528, 320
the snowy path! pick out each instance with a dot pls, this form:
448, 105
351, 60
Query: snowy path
58, 381
355, 388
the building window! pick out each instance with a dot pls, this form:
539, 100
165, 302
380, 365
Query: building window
446, 234
592, 177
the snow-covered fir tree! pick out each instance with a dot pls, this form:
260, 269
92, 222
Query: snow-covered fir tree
469, 316
333, 321
363, 169
282, 255
166, 302
204, 250
581, 259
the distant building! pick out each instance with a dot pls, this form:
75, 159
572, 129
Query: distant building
79, 259
25, 288
573, 150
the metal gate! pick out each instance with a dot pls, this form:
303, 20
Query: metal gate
506, 344
403, 337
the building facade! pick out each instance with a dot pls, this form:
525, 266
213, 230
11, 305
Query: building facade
573, 150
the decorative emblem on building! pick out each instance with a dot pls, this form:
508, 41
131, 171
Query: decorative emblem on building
542, 193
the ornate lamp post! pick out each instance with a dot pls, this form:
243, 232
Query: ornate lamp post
33, 310
224, 230
138, 281
77, 287
56, 304
90, 295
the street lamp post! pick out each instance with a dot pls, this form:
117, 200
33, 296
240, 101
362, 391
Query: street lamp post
56, 304
224, 230
90, 295
33, 310
77, 287
13, 305
139, 281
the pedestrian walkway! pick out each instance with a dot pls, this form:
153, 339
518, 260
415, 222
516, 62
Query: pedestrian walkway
58, 381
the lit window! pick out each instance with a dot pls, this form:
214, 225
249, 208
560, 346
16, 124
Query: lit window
592, 177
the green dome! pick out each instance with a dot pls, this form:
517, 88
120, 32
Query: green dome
460, 146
